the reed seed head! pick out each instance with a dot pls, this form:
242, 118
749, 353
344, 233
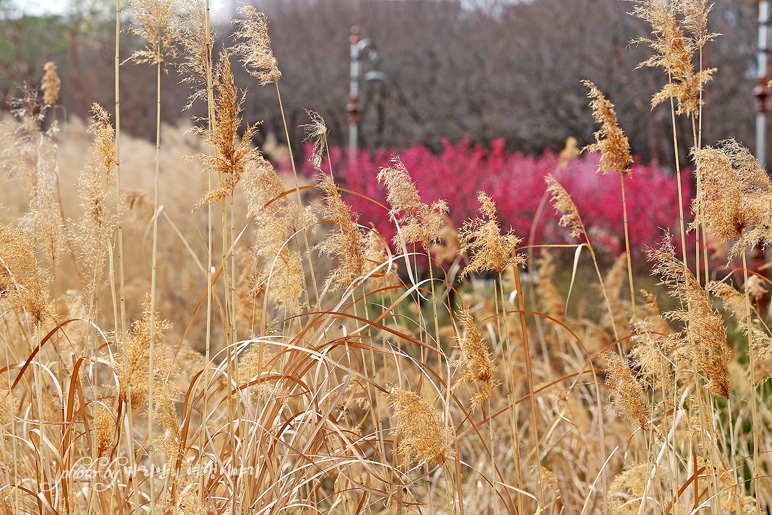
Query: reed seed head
23, 284
423, 436
417, 222
51, 84
481, 238
196, 56
611, 140
378, 256
346, 242
674, 50
735, 195
158, 26
703, 340
316, 132
254, 45
232, 152
627, 389
569, 153
475, 360
564, 205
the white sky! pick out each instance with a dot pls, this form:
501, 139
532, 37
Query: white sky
60, 6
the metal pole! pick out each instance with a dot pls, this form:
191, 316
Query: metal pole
353, 104
761, 88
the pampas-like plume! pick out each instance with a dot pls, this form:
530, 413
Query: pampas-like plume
695, 20
569, 153
232, 154
628, 391
105, 430
550, 300
274, 223
481, 237
418, 222
475, 360
158, 26
423, 436
673, 50
138, 354
564, 205
9, 404
733, 300
254, 45
611, 141
196, 55
735, 196
316, 132
97, 223
377, 254
704, 339
51, 84
346, 242
614, 282
22, 283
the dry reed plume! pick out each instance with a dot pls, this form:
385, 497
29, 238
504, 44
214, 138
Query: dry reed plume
610, 140
376, 390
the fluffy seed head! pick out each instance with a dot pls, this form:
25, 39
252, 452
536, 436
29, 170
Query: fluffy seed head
475, 360
564, 205
196, 56
418, 222
254, 45
628, 391
51, 84
423, 436
23, 285
703, 340
735, 196
674, 50
232, 152
346, 242
569, 153
481, 238
611, 141
316, 132
157, 24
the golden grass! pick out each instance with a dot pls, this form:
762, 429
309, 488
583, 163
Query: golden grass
387, 387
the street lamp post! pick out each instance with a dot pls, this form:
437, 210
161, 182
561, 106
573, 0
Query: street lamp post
360, 49
761, 88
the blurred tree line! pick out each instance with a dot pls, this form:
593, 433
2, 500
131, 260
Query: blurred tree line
454, 69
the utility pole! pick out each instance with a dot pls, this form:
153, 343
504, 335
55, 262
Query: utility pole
360, 49
761, 88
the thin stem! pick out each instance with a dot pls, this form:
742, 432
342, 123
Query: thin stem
752, 366
678, 173
627, 249
121, 275
529, 378
209, 256
153, 274
300, 202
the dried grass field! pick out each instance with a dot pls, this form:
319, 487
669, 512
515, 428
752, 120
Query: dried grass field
185, 329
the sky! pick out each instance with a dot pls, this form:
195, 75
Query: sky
60, 6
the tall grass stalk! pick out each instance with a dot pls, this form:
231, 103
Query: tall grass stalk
627, 248
529, 379
752, 366
300, 201
153, 275
208, 66
128, 419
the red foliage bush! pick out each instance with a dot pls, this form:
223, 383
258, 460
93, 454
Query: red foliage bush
516, 184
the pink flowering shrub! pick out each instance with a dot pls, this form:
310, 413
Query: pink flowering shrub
516, 184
